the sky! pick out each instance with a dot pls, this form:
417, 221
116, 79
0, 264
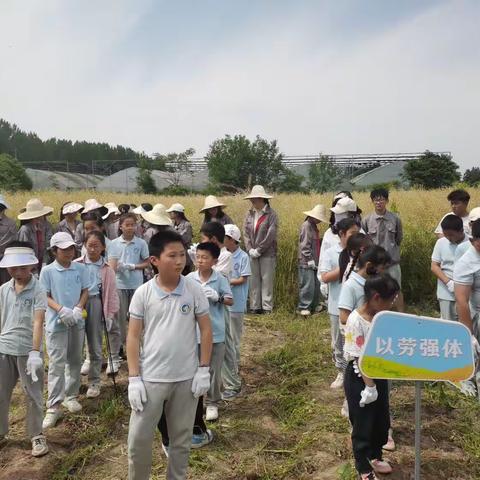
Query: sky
339, 76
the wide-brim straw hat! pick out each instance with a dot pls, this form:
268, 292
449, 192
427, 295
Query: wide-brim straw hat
211, 201
72, 207
34, 209
344, 205
157, 216
111, 208
92, 204
4, 202
258, 192
18, 257
176, 207
319, 212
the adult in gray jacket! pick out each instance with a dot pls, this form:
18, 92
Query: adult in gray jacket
260, 236
308, 257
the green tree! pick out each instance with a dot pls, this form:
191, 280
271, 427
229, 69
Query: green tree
288, 182
145, 181
472, 176
432, 170
324, 175
177, 166
236, 163
13, 176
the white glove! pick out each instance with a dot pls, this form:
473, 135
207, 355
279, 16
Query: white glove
201, 382
467, 387
77, 314
211, 294
450, 286
34, 364
66, 317
109, 323
253, 252
129, 266
311, 264
368, 395
137, 395
475, 346
324, 290
121, 267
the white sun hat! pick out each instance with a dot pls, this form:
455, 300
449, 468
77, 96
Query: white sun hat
176, 207
233, 231
344, 205
93, 204
211, 201
258, 192
34, 209
157, 216
318, 212
138, 210
474, 214
340, 195
111, 208
18, 257
72, 207
4, 202
61, 240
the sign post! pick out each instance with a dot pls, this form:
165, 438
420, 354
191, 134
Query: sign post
400, 346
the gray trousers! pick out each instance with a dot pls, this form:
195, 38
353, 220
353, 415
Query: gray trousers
64, 350
11, 369
231, 364
118, 333
337, 343
261, 283
94, 333
180, 410
309, 289
448, 310
215, 393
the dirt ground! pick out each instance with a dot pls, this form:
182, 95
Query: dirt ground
285, 425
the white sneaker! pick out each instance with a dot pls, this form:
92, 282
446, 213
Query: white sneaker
39, 446
51, 418
85, 367
305, 313
93, 391
72, 405
212, 413
116, 367
338, 382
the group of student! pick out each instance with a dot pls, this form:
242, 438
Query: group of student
130, 276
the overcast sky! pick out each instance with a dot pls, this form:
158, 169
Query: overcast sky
339, 76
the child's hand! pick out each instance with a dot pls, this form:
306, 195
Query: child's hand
137, 395
211, 294
311, 265
129, 266
368, 395
451, 286
66, 316
201, 382
121, 267
253, 252
77, 314
109, 323
34, 364
324, 290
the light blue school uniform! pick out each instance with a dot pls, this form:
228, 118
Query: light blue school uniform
328, 263
462, 249
241, 268
65, 286
94, 270
352, 294
135, 251
445, 254
220, 284
466, 271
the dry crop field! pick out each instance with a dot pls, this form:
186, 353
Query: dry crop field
287, 423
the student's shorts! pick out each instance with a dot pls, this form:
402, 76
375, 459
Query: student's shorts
395, 272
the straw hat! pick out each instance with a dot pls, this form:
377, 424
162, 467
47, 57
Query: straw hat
34, 209
233, 232
157, 216
18, 257
93, 204
211, 202
258, 192
344, 205
111, 208
177, 207
138, 210
72, 207
3, 202
318, 212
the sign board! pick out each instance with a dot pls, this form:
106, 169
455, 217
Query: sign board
400, 346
